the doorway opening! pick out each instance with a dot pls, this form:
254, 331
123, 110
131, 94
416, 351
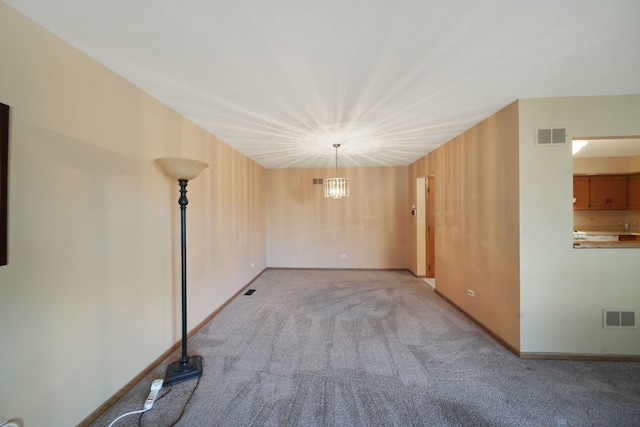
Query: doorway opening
425, 228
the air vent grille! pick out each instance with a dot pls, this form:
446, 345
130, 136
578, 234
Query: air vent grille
551, 136
619, 318
317, 181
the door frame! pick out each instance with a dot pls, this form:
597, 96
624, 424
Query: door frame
421, 227
430, 227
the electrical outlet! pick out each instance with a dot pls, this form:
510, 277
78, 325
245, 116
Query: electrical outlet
471, 293
343, 256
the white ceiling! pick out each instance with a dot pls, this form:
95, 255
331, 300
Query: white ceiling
391, 80
623, 147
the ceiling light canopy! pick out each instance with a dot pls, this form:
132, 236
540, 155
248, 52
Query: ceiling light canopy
337, 188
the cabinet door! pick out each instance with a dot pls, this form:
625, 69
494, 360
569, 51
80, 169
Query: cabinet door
633, 191
581, 193
608, 192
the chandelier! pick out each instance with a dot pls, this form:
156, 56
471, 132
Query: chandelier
336, 188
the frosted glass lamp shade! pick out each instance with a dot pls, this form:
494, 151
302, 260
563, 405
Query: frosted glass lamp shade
182, 168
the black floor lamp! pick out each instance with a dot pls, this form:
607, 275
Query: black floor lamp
183, 170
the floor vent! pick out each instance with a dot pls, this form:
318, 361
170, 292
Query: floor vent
619, 318
317, 180
551, 136
250, 292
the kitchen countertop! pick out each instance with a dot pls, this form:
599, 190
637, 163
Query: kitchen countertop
608, 233
605, 239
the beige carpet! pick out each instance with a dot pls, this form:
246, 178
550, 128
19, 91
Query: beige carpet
373, 348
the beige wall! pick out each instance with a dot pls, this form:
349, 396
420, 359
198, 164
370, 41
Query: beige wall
91, 296
604, 165
605, 220
306, 230
564, 290
476, 209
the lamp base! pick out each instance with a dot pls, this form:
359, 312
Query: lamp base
178, 372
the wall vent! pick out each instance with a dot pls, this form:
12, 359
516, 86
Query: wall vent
619, 318
551, 136
317, 181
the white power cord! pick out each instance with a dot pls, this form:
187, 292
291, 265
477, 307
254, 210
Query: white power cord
128, 413
156, 385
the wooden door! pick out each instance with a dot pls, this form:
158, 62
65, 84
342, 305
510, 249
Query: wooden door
581, 192
431, 230
608, 192
633, 191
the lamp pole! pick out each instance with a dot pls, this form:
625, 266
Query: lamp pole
183, 201
187, 367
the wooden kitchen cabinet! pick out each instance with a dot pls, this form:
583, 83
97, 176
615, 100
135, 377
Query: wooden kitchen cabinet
581, 193
608, 192
633, 191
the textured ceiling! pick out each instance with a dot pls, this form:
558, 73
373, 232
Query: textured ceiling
391, 80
